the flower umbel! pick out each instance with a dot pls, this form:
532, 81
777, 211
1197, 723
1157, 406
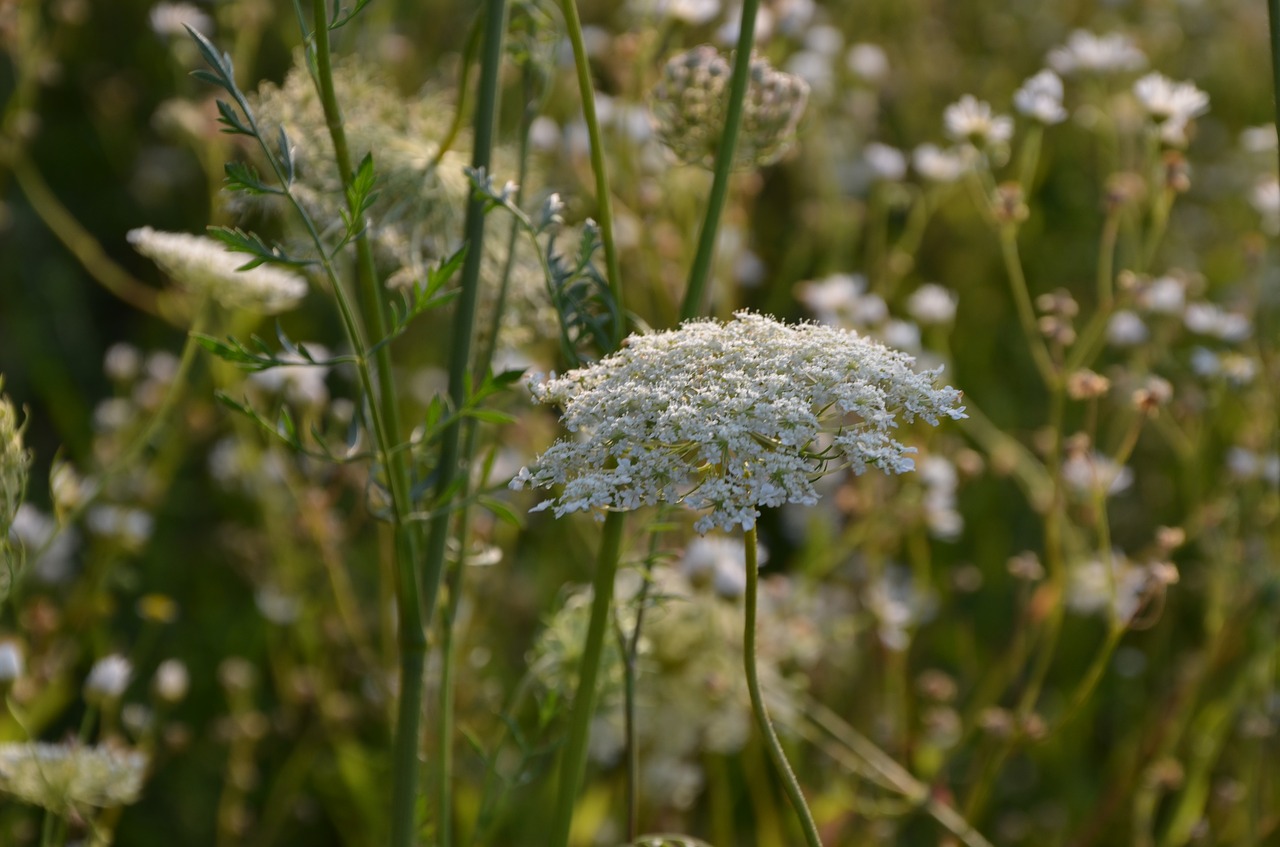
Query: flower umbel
204, 266
62, 777
730, 417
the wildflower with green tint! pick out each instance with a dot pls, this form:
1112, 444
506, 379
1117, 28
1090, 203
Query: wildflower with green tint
726, 418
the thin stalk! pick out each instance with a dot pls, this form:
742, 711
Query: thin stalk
447, 469
378, 385
464, 83
701, 270
1022, 299
604, 198
573, 765
779, 758
453, 581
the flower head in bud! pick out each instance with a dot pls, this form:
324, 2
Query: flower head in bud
108, 678
689, 107
726, 418
67, 777
205, 267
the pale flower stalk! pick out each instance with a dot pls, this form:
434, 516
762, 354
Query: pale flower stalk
728, 418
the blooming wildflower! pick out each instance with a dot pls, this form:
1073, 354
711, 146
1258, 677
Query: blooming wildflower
843, 300
10, 662
1265, 199
695, 12
689, 107
37, 531
868, 62
1085, 52
1212, 320
1090, 588
108, 678
970, 119
932, 305
941, 481
938, 165
1166, 295
171, 681
132, 527
1172, 105
899, 606
302, 384
726, 418
824, 39
720, 561
1040, 98
66, 777
1126, 329
170, 20
902, 335
1259, 139
122, 362
205, 267
1246, 465
1089, 473
727, 33
887, 163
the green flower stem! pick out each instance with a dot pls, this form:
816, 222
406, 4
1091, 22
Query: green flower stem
779, 758
1022, 299
447, 468
573, 764
604, 199
701, 271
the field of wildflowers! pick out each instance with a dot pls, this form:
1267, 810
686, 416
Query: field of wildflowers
639, 422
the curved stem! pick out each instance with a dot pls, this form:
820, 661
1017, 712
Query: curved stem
604, 199
779, 758
1022, 298
701, 270
573, 765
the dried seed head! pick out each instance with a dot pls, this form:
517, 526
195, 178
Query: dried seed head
690, 102
1084, 384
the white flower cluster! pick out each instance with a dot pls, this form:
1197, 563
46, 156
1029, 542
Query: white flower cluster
204, 266
973, 120
730, 417
1172, 105
1040, 98
1085, 52
64, 777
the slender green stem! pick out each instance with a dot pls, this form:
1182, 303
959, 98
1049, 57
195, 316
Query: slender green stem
604, 198
464, 83
447, 469
1022, 299
573, 764
385, 415
772, 744
700, 273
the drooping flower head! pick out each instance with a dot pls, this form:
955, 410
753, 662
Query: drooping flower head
726, 418
205, 267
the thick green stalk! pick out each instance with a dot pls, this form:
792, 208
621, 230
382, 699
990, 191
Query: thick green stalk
372, 321
701, 270
573, 764
779, 758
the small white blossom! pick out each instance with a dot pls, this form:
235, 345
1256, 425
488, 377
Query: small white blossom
108, 678
1040, 98
932, 305
11, 664
205, 267
1172, 105
1085, 52
1166, 295
1265, 198
938, 165
304, 383
972, 120
1091, 473
726, 418
170, 20
1090, 591
843, 300
1126, 329
171, 681
1259, 139
867, 62
720, 561
887, 163
1209, 319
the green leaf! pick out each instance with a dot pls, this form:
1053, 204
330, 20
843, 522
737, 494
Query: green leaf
241, 176
501, 511
228, 117
239, 241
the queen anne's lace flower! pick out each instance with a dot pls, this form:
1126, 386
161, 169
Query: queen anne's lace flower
63, 777
972, 120
204, 266
730, 417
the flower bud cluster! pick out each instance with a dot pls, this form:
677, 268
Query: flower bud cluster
690, 104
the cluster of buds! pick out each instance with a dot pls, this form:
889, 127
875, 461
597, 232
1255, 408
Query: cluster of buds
690, 105
1058, 310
